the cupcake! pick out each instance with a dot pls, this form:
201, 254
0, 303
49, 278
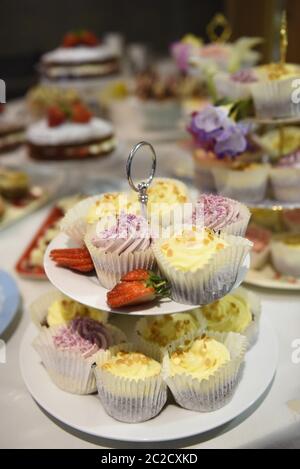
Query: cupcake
155, 334
54, 309
285, 252
235, 86
70, 133
200, 265
285, 178
261, 239
203, 373
221, 214
166, 199
246, 182
204, 163
237, 312
90, 210
13, 184
291, 219
118, 245
130, 385
272, 93
69, 351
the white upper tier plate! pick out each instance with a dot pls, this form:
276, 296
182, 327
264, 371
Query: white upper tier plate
86, 414
86, 289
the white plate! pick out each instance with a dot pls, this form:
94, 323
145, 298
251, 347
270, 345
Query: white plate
86, 289
268, 278
85, 413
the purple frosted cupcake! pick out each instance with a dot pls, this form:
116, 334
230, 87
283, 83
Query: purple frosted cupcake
118, 245
221, 214
68, 352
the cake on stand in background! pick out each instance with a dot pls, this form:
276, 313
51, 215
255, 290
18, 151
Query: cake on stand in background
12, 131
81, 61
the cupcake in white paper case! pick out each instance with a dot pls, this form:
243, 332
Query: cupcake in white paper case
55, 309
285, 253
285, 178
90, 210
130, 385
237, 312
118, 245
200, 265
156, 333
203, 373
68, 352
261, 239
222, 214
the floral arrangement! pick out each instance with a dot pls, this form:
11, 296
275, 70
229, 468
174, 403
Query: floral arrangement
214, 129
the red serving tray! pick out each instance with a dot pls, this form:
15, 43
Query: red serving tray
23, 266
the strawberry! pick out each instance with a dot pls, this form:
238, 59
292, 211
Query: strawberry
88, 38
56, 116
80, 113
71, 40
137, 287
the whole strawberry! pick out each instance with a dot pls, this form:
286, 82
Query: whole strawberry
80, 113
89, 39
137, 287
55, 116
71, 40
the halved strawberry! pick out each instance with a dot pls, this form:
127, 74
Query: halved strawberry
55, 116
88, 38
137, 287
71, 40
80, 113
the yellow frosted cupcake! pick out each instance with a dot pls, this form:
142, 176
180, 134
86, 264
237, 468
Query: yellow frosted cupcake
238, 312
200, 265
203, 372
55, 309
166, 199
130, 385
91, 210
154, 334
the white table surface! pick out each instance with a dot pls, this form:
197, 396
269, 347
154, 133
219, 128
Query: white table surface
271, 422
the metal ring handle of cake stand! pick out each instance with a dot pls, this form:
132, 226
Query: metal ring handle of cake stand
142, 187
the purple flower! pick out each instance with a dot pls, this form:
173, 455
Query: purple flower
231, 142
214, 130
181, 54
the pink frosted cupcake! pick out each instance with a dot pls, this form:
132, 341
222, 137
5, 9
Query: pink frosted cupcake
68, 352
118, 245
285, 178
261, 239
221, 214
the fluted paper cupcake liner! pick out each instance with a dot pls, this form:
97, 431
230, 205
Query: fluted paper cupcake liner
286, 259
227, 88
110, 267
273, 99
259, 259
249, 185
211, 282
74, 223
128, 400
286, 184
67, 369
239, 227
215, 392
154, 350
39, 308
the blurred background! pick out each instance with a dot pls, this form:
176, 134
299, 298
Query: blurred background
31, 27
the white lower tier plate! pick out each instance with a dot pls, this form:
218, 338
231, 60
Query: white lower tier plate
86, 288
86, 414
269, 278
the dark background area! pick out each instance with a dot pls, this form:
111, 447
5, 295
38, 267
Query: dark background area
31, 27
